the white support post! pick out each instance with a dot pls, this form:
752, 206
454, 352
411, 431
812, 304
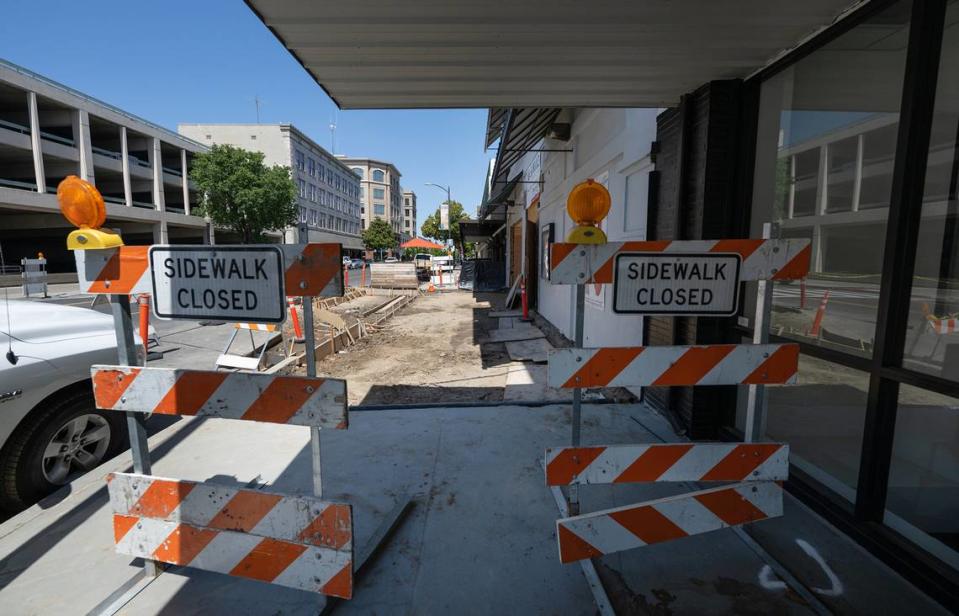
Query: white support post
822, 181
156, 160
186, 183
35, 142
81, 136
125, 165
755, 426
857, 173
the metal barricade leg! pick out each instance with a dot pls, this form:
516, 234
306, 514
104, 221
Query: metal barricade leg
127, 356
577, 393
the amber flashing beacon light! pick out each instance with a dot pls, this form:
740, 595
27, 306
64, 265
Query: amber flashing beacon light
588, 204
82, 204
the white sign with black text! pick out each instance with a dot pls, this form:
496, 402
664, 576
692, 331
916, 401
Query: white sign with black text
231, 283
658, 283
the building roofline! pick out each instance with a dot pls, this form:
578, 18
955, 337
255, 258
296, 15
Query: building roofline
353, 159
96, 101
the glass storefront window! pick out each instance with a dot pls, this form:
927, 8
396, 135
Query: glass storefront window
932, 340
922, 502
822, 419
825, 152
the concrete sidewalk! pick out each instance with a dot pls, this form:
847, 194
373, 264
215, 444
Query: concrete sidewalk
480, 538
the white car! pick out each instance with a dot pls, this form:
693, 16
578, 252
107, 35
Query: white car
50, 430
391, 260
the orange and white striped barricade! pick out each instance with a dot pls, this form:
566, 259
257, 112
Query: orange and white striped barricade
715, 364
295, 541
255, 532
607, 464
760, 259
313, 270
245, 362
623, 528
294, 400
114, 271
940, 325
759, 467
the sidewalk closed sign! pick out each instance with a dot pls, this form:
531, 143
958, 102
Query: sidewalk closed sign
658, 283
232, 283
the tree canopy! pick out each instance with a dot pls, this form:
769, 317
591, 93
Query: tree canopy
241, 193
379, 235
431, 226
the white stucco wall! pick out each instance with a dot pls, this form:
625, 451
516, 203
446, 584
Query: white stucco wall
610, 144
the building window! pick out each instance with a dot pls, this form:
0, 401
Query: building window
302, 188
379, 193
826, 156
378, 175
300, 157
358, 171
379, 209
311, 167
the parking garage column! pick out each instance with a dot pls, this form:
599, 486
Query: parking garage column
35, 142
161, 234
186, 182
81, 135
156, 161
125, 153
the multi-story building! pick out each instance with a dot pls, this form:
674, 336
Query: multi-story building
49, 131
409, 214
380, 192
329, 192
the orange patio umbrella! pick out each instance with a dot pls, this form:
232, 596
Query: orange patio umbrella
418, 242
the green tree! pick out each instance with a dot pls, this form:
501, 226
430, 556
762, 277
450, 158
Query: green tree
379, 235
431, 226
241, 193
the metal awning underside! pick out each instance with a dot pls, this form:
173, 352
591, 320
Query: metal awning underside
495, 207
475, 231
534, 53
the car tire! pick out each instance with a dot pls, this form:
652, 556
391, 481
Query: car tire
22, 478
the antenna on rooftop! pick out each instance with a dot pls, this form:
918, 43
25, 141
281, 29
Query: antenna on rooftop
257, 101
333, 134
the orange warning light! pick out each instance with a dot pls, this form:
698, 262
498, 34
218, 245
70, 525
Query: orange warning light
82, 204
588, 204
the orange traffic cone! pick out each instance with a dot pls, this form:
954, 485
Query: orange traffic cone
431, 288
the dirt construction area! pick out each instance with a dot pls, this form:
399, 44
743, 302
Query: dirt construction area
428, 352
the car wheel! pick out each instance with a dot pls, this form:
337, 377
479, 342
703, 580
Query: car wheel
56, 444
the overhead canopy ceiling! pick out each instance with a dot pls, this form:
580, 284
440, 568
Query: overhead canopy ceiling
534, 53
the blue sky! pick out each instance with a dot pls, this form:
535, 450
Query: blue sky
206, 60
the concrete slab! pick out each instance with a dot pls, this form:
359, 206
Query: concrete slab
529, 350
500, 314
480, 538
515, 333
527, 383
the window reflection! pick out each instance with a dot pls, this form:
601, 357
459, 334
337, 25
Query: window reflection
923, 497
825, 153
822, 419
932, 341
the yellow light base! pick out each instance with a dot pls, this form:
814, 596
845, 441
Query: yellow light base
87, 239
586, 234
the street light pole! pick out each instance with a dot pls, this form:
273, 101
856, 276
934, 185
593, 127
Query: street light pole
449, 201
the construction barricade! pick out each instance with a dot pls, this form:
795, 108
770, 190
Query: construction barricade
667, 278
296, 541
